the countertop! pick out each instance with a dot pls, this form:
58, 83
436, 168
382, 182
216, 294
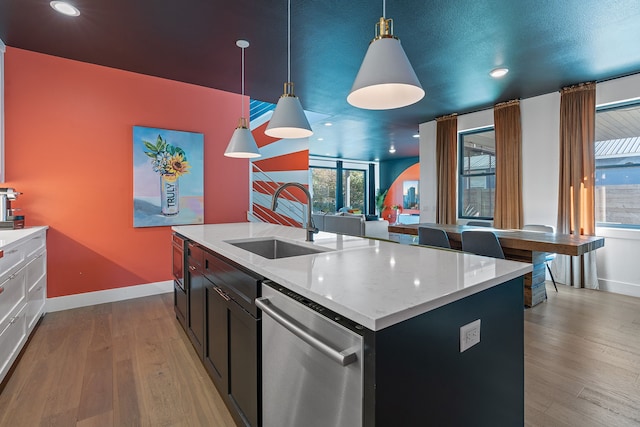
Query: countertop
372, 282
10, 237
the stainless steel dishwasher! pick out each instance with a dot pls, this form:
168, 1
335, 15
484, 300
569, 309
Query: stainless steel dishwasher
312, 364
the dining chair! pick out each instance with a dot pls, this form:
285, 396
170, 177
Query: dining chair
433, 237
479, 223
484, 243
548, 256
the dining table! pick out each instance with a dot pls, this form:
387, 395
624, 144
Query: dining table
518, 245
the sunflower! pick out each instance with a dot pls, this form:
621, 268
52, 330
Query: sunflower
178, 166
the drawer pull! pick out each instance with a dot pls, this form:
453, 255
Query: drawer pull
12, 251
222, 294
39, 288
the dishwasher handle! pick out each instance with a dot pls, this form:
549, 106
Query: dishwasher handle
344, 357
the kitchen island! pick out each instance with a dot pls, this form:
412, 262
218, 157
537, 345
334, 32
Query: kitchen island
410, 304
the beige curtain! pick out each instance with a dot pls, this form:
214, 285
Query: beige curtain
576, 209
446, 161
508, 211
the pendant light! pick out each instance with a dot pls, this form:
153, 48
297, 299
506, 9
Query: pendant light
288, 119
386, 79
242, 144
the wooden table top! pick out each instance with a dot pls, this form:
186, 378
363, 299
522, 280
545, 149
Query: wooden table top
566, 244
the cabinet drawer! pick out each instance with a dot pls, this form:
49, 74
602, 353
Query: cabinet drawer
195, 253
36, 270
34, 245
11, 260
239, 284
12, 338
36, 297
12, 295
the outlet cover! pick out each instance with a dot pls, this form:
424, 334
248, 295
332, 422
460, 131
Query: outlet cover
469, 335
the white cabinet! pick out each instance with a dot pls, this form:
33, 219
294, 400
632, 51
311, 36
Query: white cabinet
36, 284
23, 289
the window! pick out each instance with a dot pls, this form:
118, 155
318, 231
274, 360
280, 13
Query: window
323, 183
477, 183
617, 155
336, 184
353, 189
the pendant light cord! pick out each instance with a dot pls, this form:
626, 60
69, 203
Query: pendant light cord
242, 99
289, 41
384, 8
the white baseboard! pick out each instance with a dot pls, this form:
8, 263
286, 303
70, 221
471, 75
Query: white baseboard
110, 295
619, 287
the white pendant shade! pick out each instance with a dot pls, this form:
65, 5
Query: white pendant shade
386, 79
242, 144
288, 120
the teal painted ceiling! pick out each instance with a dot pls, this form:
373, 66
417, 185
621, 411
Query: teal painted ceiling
546, 44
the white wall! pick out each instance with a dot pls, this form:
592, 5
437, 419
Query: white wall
540, 118
428, 172
618, 270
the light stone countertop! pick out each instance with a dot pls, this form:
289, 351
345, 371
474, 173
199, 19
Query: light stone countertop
9, 237
374, 283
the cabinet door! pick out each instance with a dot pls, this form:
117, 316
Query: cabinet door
180, 304
12, 338
244, 357
216, 355
13, 294
36, 283
196, 299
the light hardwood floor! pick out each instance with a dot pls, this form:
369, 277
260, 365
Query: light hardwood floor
129, 363
119, 364
582, 359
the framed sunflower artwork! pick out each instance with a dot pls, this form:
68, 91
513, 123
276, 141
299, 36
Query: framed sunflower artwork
168, 177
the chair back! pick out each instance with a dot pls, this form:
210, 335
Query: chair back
539, 227
544, 229
433, 237
479, 223
484, 243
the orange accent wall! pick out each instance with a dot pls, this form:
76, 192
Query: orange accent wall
68, 148
394, 195
298, 160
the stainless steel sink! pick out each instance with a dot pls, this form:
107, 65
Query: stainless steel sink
273, 248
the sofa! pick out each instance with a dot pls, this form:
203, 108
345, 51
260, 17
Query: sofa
351, 224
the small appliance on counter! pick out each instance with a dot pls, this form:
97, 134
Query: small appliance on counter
7, 217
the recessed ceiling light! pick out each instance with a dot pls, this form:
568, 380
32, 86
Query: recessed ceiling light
496, 73
417, 135
392, 149
65, 8
328, 124
320, 139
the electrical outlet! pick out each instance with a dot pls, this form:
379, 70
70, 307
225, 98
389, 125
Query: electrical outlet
469, 335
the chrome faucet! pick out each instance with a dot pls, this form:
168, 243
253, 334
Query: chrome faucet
311, 228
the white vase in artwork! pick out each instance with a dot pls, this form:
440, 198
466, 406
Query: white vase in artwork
169, 195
